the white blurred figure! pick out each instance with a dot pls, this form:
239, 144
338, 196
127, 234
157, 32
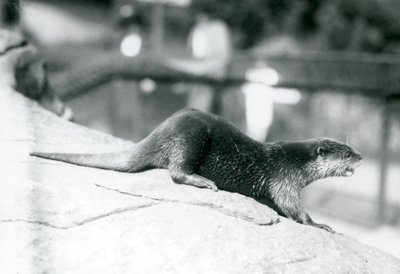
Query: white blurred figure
259, 101
259, 104
211, 46
260, 98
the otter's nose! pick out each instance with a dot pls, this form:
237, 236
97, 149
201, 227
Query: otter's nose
359, 156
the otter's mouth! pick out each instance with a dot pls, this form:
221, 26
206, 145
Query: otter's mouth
348, 172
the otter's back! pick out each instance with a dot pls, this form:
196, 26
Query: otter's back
232, 160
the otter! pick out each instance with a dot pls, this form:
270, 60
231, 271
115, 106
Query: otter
207, 151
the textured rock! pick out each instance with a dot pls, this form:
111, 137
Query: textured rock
61, 218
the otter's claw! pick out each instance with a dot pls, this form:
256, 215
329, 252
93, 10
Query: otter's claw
325, 227
213, 187
204, 182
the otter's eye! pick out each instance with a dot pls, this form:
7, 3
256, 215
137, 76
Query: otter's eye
347, 155
321, 151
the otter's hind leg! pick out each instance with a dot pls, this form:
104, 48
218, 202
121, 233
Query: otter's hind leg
185, 157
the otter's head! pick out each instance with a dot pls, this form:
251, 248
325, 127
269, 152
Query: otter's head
333, 158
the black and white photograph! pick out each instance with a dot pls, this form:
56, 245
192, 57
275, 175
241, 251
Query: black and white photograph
199, 136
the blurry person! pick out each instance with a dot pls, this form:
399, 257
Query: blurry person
210, 40
211, 46
260, 93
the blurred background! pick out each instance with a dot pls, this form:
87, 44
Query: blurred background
277, 69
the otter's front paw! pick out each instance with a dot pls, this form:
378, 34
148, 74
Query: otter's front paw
203, 182
325, 227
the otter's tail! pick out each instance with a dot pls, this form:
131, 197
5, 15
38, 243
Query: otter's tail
119, 161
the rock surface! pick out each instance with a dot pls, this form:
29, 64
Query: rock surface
61, 218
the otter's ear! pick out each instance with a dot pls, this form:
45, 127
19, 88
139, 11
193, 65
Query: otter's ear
321, 151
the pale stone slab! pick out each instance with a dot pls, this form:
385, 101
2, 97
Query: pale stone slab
61, 218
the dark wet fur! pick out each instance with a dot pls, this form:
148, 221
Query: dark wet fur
203, 149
